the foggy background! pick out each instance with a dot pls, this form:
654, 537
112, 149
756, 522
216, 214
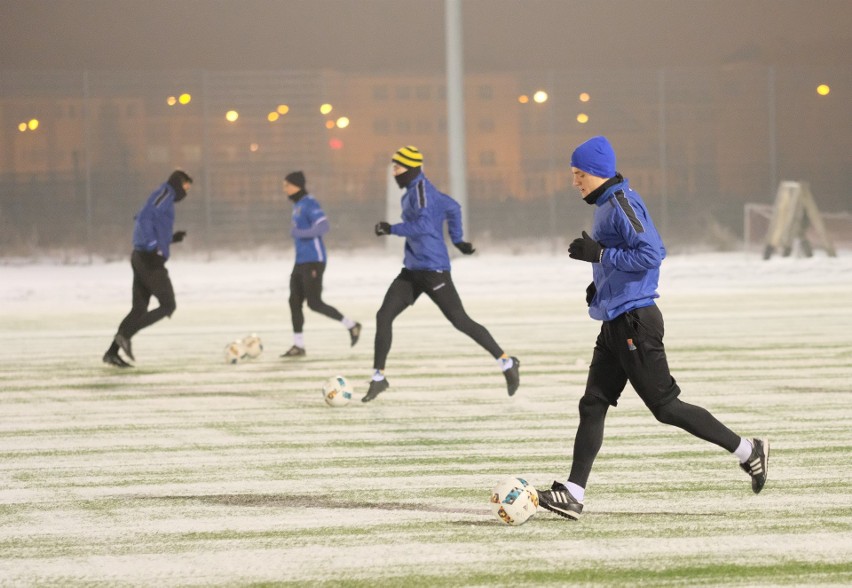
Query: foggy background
709, 105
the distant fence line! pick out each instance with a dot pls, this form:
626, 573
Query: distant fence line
79, 151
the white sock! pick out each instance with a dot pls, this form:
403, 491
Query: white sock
575, 490
743, 451
378, 376
299, 340
348, 323
505, 364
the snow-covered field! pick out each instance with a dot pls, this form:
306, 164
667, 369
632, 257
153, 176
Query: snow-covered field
186, 471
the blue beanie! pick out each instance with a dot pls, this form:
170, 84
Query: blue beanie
595, 157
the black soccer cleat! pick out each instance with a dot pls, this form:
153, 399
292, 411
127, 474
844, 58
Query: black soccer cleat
115, 359
124, 343
757, 465
376, 388
513, 376
295, 351
559, 500
354, 334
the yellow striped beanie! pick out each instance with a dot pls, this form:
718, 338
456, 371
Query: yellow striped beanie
408, 157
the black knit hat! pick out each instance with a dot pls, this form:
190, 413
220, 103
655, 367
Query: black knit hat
297, 178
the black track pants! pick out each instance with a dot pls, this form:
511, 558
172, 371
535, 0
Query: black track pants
150, 278
630, 348
306, 285
404, 291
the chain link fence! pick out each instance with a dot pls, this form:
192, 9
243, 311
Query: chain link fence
80, 151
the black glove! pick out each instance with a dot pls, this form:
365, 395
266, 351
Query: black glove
382, 228
591, 290
585, 249
178, 236
465, 247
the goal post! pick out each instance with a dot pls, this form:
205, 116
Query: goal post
794, 220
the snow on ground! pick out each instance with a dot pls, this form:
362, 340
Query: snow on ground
186, 471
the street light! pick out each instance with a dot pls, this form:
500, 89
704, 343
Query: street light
584, 97
342, 122
283, 109
326, 108
232, 116
523, 98
171, 100
540, 97
33, 124
582, 118
823, 89
272, 116
184, 98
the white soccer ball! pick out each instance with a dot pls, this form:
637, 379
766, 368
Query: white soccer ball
235, 352
336, 391
514, 501
253, 346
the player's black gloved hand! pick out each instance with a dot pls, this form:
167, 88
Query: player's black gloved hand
382, 228
585, 249
591, 290
178, 236
465, 247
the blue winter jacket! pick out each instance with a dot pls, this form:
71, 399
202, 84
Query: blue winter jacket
424, 210
627, 275
155, 222
309, 225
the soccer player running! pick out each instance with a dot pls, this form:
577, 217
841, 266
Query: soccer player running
427, 268
626, 251
308, 227
152, 236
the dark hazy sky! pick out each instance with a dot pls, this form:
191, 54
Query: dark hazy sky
397, 35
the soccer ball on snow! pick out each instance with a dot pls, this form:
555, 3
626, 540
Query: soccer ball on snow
514, 501
253, 346
235, 352
336, 391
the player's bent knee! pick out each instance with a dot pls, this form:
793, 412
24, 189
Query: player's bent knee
667, 413
591, 406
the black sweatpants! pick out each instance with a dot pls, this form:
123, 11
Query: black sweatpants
630, 348
306, 284
150, 278
404, 291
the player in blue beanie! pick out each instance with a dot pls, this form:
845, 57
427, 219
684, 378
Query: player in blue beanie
626, 252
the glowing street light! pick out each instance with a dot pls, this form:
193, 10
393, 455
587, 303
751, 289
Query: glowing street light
823, 89
184, 98
33, 124
523, 98
254, 147
232, 116
540, 97
582, 118
342, 122
329, 124
273, 116
282, 109
22, 127
326, 108
584, 97
171, 100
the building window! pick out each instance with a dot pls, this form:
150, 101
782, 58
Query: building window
423, 93
486, 125
403, 92
487, 158
424, 126
403, 126
381, 126
380, 92
486, 92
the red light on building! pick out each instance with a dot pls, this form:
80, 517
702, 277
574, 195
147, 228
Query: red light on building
335, 143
